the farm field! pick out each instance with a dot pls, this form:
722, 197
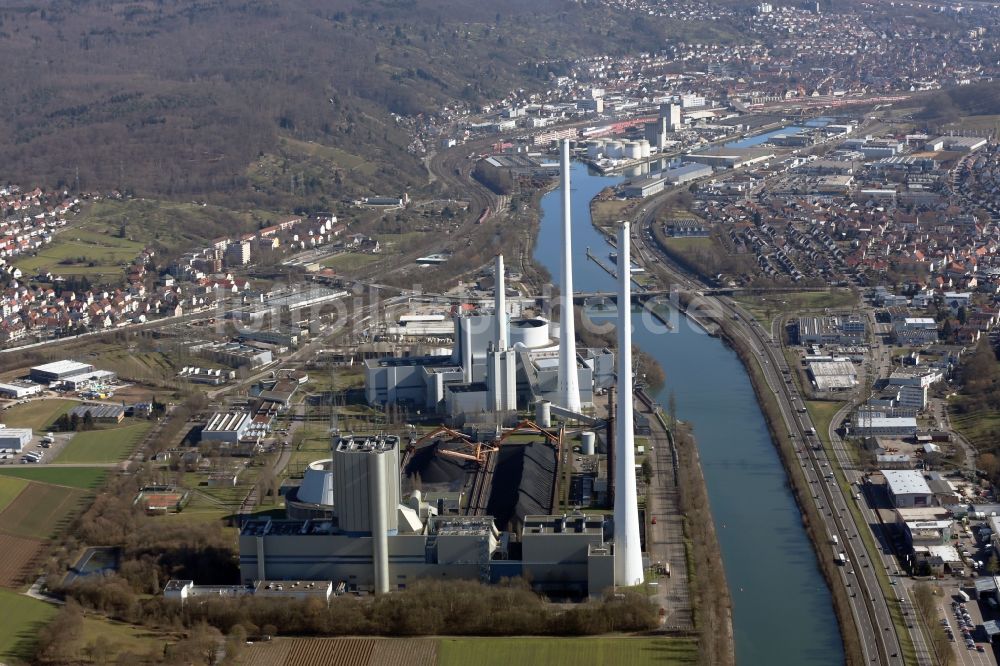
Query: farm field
18, 553
23, 616
476, 651
104, 446
75, 477
10, 488
36, 414
566, 651
343, 652
39, 510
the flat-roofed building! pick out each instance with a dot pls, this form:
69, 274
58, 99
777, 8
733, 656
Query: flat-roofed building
57, 371
14, 439
907, 488
226, 427
19, 389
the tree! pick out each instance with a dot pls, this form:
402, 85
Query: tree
88, 421
74, 422
993, 565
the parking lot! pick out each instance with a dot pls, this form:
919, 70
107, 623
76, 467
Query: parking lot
962, 621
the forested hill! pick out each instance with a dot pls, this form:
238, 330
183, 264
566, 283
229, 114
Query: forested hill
978, 99
179, 97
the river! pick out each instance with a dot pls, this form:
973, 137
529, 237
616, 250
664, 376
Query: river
782, 609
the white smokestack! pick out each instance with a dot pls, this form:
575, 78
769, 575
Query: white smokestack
466, 339
379, 510
628, 549
569, 381
500, 304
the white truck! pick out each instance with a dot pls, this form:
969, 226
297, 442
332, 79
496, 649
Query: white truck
835, 539
841, 559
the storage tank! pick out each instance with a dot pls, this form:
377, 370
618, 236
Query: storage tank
587, 442
632, 150
317, 483
613, 149
543, 413
595, 149
645, 148
531, 333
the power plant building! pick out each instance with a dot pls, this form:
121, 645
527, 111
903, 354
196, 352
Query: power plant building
361, 532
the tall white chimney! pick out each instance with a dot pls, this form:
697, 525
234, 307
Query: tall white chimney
500, 305
569, 381
466, 340
628, 548
379, 510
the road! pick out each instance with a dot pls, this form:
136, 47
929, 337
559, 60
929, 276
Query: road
870, 609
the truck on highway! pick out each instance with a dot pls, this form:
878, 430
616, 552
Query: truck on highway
841, 559
835, 539
811, 431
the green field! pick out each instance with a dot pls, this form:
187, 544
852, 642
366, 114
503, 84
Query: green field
40, 510
75, 477
566, 651
36, 414
350, 261
10, 488
104, 446
765, 306
22, 617
77, 251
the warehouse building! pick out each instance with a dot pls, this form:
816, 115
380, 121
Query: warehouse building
19, 389
907, 488
834, 330
640, 188
879, 425
14, 439
100, 413
58, 371
685, 173
228, 427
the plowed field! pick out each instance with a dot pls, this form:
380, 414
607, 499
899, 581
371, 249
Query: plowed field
17, 555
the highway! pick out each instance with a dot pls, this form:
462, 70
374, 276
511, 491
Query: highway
870, 609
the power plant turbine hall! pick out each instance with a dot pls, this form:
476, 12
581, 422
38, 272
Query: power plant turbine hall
628, 548
569, 382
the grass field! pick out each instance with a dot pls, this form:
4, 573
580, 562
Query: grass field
350, 261
10, 487
765, 306
75, 477
39, 510
23, 616
36, 414
566, 651
77, 251
104, 446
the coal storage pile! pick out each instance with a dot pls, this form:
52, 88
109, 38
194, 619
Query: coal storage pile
429, 471
523, 482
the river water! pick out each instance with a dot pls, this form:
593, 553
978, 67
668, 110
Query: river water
782, 609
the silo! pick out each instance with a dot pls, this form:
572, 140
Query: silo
613, 149
632, 150
543, 413
587, 442
595, 149
645, 147
531, 333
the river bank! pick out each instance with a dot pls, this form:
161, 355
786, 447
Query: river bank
763, 545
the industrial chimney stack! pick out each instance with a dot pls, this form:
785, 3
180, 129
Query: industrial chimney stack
569, 381
500, 305
628, 549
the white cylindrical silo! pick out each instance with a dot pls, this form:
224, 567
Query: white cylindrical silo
595, 149
587, 442
632, 150
543, 413
645, 147
613, 149
532, 333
